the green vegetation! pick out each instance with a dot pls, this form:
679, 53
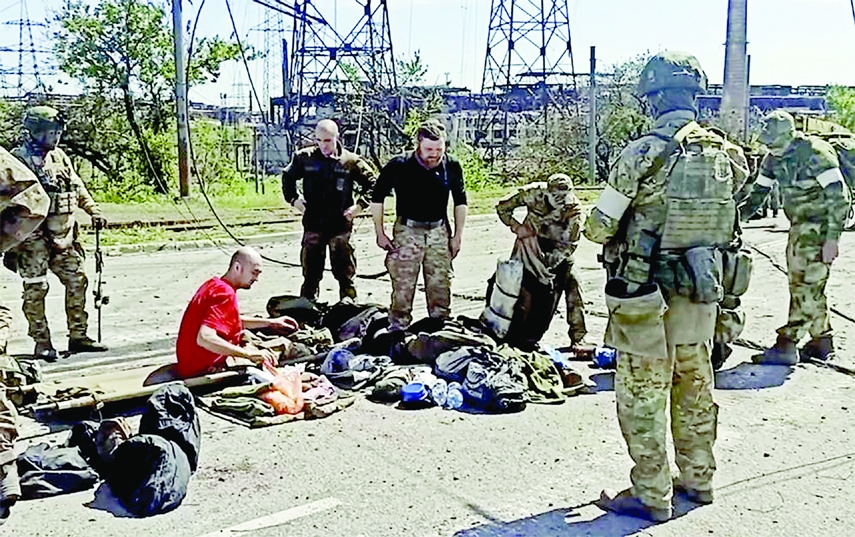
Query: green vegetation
841, 100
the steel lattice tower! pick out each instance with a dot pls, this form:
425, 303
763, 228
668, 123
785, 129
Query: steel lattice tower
29, 57
528, 44
319, 53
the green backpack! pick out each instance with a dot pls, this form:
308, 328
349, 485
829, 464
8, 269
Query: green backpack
844, 145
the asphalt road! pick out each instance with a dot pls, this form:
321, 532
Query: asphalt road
784, 449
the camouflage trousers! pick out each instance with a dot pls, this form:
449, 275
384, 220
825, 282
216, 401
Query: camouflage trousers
808, 276
418, 249
643, 385
313, 257
5, 327
36, 255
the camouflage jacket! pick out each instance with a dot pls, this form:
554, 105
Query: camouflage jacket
812, 186
632, 187
64, 187
23, 202
328, 186
558, 228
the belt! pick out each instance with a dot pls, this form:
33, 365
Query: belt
421, 225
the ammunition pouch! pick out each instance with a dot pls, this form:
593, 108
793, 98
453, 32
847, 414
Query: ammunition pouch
637, 320
705, 267
737, 265
63, 202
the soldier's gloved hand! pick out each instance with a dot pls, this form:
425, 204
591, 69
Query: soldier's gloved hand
300, 205
384, 242
99, 221
829, 251
352, 212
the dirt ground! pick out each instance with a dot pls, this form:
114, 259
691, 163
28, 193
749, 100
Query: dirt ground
784, 445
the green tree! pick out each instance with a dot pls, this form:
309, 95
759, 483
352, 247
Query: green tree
841, 101
123, 48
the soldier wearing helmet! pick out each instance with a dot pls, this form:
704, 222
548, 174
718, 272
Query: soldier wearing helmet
665, 219
816, 202
54, 244
546, 241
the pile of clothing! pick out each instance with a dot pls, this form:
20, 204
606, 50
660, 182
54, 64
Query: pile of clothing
363, 355
283, 394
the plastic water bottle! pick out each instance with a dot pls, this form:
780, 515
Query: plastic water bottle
556, 357
605, 358
439, 392
454, 396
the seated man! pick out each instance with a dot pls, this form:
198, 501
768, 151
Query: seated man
545, 243
212, 325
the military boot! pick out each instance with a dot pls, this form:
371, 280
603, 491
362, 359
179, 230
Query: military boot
784, 352
85, 344
819, 348
44, 351
628, 505
703, 497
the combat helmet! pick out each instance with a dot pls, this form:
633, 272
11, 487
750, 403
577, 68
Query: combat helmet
42, 118
779, 127
676, 70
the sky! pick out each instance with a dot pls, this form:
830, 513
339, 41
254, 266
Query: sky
791, 42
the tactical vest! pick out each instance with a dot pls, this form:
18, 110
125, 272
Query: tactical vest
696, 208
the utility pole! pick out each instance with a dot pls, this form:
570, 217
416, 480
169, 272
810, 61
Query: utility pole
735, 93
592, 119
181, 101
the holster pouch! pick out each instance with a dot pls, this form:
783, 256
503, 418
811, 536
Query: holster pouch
639, 254
705, 266
736, 271
636, 322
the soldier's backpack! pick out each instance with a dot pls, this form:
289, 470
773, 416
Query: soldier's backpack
844, 145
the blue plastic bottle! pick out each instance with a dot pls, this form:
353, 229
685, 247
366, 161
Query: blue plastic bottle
439, 392
454, 396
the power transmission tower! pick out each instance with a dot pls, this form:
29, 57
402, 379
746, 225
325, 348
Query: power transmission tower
324, 61
528, 43
23, 65
529, 62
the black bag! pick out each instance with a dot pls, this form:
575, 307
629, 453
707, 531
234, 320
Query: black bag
171, 413
48, 471
149, 475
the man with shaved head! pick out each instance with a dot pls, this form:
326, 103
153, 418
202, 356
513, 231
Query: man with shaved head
212, 325
328, 205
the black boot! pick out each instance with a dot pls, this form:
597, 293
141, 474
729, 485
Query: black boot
44, 351
85, 344
703, 497
819, 348
784, 352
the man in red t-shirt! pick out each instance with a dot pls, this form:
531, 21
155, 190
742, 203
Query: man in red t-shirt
212, 325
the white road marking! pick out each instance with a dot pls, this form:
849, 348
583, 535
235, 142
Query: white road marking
277, 519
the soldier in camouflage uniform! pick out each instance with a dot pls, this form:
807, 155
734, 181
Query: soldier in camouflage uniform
664, 219
816, 201
329, 173
23, 206
54, 245
422, 240
545, 243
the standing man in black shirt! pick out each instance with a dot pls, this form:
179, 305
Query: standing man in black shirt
327, 203
422, 181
